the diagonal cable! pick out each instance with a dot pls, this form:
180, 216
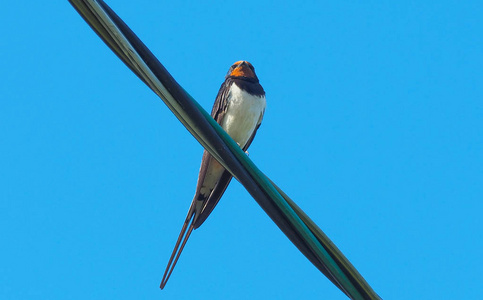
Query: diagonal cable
308, 238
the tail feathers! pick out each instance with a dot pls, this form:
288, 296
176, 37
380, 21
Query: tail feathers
182, 239
215, 196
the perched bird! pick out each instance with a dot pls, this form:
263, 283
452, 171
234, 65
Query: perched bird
238, 108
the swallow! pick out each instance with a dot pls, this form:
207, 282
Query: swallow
239, 108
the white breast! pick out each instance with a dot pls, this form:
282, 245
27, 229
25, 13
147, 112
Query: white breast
244, 113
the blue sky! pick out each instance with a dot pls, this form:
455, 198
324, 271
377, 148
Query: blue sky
373, 126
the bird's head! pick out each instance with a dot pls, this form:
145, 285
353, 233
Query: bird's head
242, 70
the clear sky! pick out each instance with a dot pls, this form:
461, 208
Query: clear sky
373, 126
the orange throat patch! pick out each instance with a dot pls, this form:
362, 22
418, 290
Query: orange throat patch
242, 70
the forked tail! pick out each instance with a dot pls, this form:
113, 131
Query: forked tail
183, 236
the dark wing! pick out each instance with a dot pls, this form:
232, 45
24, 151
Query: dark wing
218, 112
219, 108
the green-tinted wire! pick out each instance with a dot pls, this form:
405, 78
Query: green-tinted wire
331, 247
296, 217
280, 201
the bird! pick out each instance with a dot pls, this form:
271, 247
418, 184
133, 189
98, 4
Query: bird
239, 108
